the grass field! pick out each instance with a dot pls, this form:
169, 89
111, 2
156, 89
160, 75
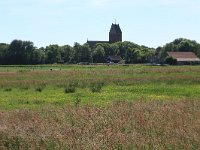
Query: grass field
27, 87
99, 107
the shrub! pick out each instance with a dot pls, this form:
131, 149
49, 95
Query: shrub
70, 89
8, 89
96, 87
39, 89
170, 60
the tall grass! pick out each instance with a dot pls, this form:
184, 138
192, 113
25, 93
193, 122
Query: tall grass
122, 125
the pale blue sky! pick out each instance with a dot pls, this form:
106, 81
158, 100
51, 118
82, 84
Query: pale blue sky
146, 22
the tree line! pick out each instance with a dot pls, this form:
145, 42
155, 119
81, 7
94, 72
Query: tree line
24, 52
20, 52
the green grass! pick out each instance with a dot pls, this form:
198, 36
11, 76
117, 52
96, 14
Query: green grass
99, 107
23, 87
20, 98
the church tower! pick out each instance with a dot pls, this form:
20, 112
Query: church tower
115, 34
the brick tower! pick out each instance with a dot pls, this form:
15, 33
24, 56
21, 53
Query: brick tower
115, 34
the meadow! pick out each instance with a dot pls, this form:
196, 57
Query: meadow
99, 107
30, 87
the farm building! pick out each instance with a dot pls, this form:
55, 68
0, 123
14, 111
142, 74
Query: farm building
114, 59
184, 58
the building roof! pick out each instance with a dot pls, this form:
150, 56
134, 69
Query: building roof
184, 56
114, 58
115, 28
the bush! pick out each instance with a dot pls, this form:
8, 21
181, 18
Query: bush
170, 60
96, 87
8, 89
39, 89
70, 89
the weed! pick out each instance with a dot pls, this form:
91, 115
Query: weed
70, 89
77, 101
8, 89
38, 89
96, 87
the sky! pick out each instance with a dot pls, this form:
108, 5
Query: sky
151, 23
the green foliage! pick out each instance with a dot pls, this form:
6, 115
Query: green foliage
77, 101
39, 89
24, 52
108, 83
8, 89
70, 88
66, 53
20, 52
170, 60
99, 54
53, 54
82, 53
3, 53
38, 56
96, 87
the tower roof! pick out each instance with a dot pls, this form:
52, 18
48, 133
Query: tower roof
115, 28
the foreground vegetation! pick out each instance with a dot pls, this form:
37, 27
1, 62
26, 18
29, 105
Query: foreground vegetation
122, 125
99, 107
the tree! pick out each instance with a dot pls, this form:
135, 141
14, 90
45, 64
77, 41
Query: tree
132, 52
106, 47
122, 49
129, 55
76, 53
86, 53
99, 54
19, 52
82, 53
66, 53
3, 53
114, 49
38, 56
53, 54
145, 54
